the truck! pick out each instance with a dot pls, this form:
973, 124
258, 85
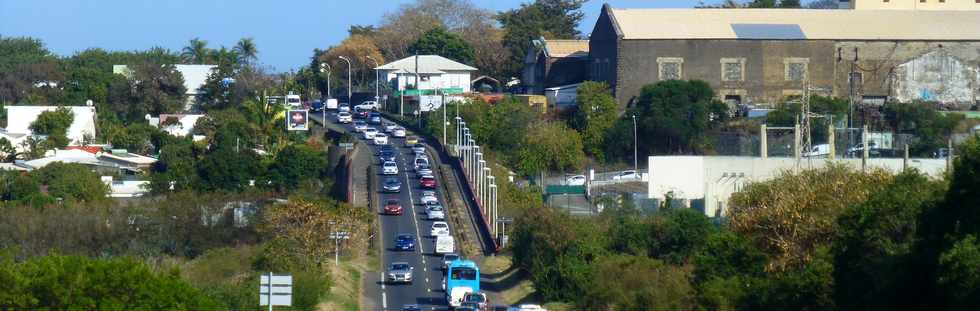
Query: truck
331, 103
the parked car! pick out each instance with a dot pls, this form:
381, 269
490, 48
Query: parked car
344, 117
626, 175
393, 207
400, 272
392, 185
439, 228
369, 133
359, 126
448, 258
479, 299
410, 141
576, 180
427, 182
380, 139
428, 197
405, 242
368, 105
389, 168
435, 212
398, 132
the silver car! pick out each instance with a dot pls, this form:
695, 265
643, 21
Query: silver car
435, 212
400, 272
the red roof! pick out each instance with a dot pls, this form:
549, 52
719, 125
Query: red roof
89, 149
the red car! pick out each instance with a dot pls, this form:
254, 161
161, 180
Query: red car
427, 182
393, 208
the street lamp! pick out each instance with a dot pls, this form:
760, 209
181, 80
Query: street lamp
324, 67
349, 102
635, 166
377, 78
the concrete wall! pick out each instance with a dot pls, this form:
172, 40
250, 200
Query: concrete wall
714, 179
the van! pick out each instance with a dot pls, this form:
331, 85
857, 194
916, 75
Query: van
445, 245
332, 104
293, 101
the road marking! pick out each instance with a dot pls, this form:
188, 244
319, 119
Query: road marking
384, 300
415, 215
382, 279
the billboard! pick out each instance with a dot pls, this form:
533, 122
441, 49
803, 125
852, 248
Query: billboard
297, 120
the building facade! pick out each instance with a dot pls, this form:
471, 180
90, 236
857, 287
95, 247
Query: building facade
554, 63
766, 55
424, 80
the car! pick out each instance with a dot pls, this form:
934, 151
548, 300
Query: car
343, 108
423, 170
576, 180
468, 306
360, 113
400, 272
393, 207
368, 105
439, 228
448, 258
389, 127
398, 132
411, 141
386, 155
626, 175
445, 244
389, 168
380, 139
412, 307
374, 118
359, 126
418, 149
478, 299
435, 212
392, 185
369, 132
527, 307
427, 182
344, 117
428, 196
317, 106
405, 242
420, 162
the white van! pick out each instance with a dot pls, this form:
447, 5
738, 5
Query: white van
332, 103
445, 244
293, 101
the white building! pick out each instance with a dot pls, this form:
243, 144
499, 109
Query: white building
437, 77
179, 125
194, 78
19, 119
706, 182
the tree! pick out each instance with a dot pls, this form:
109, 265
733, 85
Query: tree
298, 230
7, 151
638, 283
673, 115
959, 274
54, 124
196, 52
440, 42
594, 116
552, 19
71, 182
246, 50
550, 146
357, 49
931, 129
176, 168
295, 164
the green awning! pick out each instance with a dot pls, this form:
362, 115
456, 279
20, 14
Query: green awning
447, 91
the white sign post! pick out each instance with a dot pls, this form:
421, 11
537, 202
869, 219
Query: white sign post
276, 290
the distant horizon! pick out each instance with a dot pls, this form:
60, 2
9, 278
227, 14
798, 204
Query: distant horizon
284, 45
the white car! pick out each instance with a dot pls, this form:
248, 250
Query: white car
418, 149
435, 212
439, 228
344, 117
370, 132
527, 307
368, 105
445, 245
389, 168
390, 127
343, 108
626, 175
380, 139
577, 180
429, 197
420, 162
398, 132
423, 170
359, 126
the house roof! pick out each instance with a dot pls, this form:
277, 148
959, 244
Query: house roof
427, 64
89, 149
566, 48
65, 156
127, 157
796, 24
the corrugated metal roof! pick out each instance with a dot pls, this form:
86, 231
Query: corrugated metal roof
794, 24
426, 64
567, 48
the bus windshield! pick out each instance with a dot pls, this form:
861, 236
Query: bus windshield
467, 274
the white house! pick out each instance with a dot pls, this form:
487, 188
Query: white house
194, 78
437, 76
19, 119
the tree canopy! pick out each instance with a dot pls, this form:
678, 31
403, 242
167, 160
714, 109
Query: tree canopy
438, 41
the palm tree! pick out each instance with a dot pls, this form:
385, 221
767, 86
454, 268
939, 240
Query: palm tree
196, 51
246, 50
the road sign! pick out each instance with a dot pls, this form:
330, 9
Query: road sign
277, 288
297, 120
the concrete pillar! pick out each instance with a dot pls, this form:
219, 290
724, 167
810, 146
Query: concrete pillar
493, 207
905, 158
864, 145
476, 169
831, 138
763, 148
796, 141
949, 156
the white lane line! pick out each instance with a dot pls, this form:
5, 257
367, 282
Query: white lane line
384, 301
382, 279
411, 198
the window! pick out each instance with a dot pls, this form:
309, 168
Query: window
796, 68
671, 68
732, 69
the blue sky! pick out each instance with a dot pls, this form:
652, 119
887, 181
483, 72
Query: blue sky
285, 31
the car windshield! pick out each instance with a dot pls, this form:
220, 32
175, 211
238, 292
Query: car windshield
468, 274
475, 298
399, 266
450, 257
405, 237
390, 164
392, 202
435, 208
391, 181
439, 225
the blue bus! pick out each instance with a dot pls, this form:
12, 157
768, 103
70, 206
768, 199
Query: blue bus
462, 277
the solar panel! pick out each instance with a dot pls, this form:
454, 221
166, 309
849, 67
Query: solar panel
768, 31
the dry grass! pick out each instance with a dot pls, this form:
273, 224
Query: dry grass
346, 290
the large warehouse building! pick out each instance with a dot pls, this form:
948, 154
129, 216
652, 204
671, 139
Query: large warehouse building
876, 50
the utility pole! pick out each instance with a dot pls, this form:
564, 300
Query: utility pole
349, 101
324, 67
635, 158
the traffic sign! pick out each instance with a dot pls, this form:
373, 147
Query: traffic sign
276, 288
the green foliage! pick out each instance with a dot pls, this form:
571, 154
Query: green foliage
921, 119
595, 115
71, 182
438, 41
550, 146
55, 125
959, 274
150, 89
7, 151
71, 282
638, 283
788, 113
295, 164
552, 19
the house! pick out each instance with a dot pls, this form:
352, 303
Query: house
552, 63
19, 119
893, 50
79, 156
126, 188
424, 80
128, 160
195, 76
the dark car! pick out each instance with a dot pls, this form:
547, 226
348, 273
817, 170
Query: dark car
427, 182
405, 242
386, 155
393, 207
412, 307
374, 118
360, 114
392, 185
317, 105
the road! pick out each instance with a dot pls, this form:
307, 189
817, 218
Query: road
426, 290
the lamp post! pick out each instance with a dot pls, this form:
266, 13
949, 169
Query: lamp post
635, 166
324, 67
349, 102
377, 78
